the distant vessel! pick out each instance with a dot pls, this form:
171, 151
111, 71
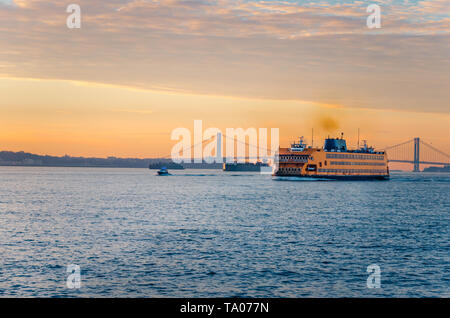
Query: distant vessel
163, 172
244, 166
437, 169
333, 161
170, 165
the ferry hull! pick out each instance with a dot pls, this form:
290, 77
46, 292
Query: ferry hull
334, 177
332, 162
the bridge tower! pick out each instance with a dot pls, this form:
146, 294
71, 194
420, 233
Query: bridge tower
416, 154
219, 158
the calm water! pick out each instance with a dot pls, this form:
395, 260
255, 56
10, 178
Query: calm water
206, 233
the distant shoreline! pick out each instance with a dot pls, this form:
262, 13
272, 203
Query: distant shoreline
25, 159
445, 169
55, 166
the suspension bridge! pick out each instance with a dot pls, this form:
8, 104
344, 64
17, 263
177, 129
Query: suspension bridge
417, 152
414, 151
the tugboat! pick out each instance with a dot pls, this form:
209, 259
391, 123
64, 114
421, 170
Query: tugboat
333, 161
163, 172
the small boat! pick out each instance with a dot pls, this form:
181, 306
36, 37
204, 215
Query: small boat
163, 172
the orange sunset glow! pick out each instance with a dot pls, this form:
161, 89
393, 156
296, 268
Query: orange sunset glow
132, 73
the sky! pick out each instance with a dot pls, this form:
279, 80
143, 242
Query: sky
136, 70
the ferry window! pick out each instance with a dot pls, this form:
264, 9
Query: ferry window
325, 162
320, 164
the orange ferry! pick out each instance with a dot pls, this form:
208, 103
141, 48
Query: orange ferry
333, 161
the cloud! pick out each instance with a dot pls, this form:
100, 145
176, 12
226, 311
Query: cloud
134, 111
317, 51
